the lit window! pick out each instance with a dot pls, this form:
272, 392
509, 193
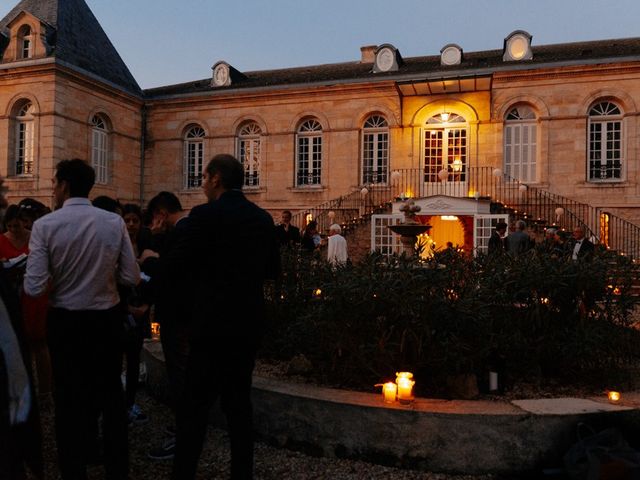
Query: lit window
375, 150
309, 154
23, 147
605, 143
249, 153
193, 156
520, 138
100, 149
445, 148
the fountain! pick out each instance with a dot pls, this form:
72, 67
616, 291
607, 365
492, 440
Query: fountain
409, 228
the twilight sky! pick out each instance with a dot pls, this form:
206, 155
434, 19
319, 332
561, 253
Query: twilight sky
170, 41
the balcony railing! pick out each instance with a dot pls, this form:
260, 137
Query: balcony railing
506, 194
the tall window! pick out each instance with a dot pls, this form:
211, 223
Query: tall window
100, 149
309, 153
375, 150
24, 42
193, 156
23, 150
605, 143
445, 148
249, 153
520, 133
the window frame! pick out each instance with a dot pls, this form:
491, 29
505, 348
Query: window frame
454, 133
520, 121
23, 161
100, 148
249, 142
605, 114
193, 156
374, 145
24, 47
309, 140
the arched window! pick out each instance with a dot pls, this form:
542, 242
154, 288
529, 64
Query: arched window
23, 145
193, 156
309, 153
100, 148
375, 150
445, 147
24, 42
520, 138
605, 156
249, 145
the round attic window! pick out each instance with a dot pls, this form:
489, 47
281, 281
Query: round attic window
451, 56
518, 46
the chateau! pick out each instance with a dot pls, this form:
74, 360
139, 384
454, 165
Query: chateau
551, 129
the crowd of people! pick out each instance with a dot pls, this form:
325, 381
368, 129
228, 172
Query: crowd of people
95, 274
556, 243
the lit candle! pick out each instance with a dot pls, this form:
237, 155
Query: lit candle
389, 390
614, 397
405, 386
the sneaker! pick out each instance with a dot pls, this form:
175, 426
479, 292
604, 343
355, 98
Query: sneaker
166, 451
136, 417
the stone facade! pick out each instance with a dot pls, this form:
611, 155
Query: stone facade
559, 84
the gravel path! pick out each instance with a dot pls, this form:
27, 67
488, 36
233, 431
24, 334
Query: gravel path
271, 463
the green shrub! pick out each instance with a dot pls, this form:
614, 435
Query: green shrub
544, 318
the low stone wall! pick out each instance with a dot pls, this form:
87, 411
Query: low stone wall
472, 437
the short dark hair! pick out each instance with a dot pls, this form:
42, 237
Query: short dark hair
501, 226
107, 203
164, 200
13, 212
79, 176
132, 208
33, 208
230, 170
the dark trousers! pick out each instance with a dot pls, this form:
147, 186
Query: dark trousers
86, 359
174, 337
213, 373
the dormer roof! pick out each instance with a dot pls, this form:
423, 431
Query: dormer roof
75, 38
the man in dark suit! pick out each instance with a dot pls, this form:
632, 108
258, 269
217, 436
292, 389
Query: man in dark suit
288, 235
496, 241
581, 248
231, 246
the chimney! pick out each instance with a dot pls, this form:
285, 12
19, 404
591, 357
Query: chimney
368, 53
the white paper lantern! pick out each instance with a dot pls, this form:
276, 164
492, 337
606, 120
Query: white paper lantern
395, 176
364, 191
497, 172
443, 174
559, 213
522, 188
331, 214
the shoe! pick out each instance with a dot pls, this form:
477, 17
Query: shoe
166, 451
136, 417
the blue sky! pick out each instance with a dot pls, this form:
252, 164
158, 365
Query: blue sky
170, 41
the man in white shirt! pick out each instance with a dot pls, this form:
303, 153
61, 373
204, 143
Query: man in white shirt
337, 250
79, 254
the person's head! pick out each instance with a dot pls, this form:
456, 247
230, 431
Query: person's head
132, 215
579, 232
521, 225
109, 204
224, 172
285, 217
164, 208
32, 210
335, 229
73, 178
14, 220
550, 233
501, 228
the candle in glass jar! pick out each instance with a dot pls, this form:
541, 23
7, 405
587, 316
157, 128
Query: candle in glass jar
614, 397
389, 391
405, 386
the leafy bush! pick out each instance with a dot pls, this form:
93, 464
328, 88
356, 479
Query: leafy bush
542, 317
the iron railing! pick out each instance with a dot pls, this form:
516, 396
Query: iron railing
507, 194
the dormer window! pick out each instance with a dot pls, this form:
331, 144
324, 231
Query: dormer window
451, 54
25, 46
517, 47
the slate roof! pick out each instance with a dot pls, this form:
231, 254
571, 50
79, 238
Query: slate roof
474, 63
77, 39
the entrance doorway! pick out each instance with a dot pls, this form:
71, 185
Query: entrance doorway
446, 228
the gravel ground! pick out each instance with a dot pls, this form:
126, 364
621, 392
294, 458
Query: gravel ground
271, 463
